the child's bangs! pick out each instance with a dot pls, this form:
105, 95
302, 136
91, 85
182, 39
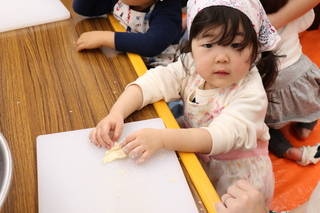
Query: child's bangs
232, 22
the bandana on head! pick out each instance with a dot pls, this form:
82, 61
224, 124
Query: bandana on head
266, 33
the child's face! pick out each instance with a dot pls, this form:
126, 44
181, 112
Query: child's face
220, 66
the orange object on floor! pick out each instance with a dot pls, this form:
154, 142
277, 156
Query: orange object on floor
295, 183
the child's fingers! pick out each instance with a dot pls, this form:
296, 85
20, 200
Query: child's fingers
136, 151
117, 132
93, 139
102, 141
129, 147
126, 140
133, 149
103, 137
122, 143
80, 47
144, 157
92, 135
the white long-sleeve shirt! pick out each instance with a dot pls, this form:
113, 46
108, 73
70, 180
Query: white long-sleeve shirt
234, 116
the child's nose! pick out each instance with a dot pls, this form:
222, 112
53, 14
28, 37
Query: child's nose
222, 58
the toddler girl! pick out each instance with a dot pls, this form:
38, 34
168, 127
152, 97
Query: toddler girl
223, 94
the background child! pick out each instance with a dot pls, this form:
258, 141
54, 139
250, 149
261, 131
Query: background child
295, 93
223, 94
153, 28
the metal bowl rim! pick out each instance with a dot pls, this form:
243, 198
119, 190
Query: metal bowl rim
7, 172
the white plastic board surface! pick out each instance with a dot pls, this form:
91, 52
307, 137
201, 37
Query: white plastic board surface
16, 14
73, 179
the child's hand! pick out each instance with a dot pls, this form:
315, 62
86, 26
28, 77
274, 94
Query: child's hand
144, 142
102, 136
95, 39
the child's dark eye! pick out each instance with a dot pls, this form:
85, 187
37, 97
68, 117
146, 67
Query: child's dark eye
236, 45
208, 45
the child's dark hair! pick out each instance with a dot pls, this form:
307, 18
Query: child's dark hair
231, 20
273, 6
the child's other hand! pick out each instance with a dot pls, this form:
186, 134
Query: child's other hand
144, 142
102, 135
92, 40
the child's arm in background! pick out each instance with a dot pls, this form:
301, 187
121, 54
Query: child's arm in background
291, 11
96, 39
92, 8
164, 29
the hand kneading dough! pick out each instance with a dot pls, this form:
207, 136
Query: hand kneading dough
114, 153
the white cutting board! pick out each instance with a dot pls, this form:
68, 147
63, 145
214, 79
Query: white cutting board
16, 14
73, 179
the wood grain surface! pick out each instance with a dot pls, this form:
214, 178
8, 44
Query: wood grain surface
46, 86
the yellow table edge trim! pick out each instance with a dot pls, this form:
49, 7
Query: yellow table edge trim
197, 174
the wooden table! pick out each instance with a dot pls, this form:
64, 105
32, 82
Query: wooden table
47, 87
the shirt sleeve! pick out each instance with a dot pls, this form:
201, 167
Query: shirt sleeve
305, 21
163, 83
165, 26
241, 122
92, 8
